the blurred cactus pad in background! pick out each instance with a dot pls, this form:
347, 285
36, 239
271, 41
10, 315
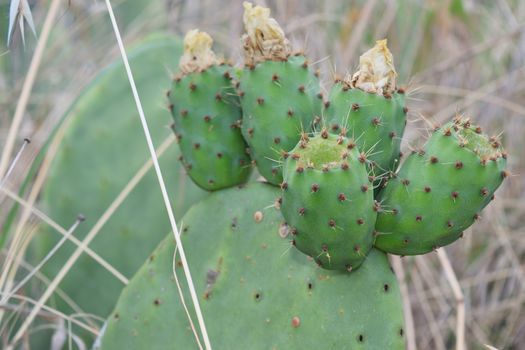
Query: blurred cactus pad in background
279, 175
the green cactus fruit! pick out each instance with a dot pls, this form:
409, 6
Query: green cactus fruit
328, 201
102, 149
280, 95
207, 117
255, 293
369, 109
440, 190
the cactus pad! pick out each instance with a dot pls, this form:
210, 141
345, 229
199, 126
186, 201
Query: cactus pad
280, 95
254, 291
368, 108
279, 101
328, 201
440, 190
207, 117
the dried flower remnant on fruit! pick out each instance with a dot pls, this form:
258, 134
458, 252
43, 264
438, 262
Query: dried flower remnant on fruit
198, 54
376, 73
264, 38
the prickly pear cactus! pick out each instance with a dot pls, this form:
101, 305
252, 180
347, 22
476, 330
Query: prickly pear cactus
368, 107
207, 117
254, 291
101, 151
440, 190
292, 272
328, 201
280, 95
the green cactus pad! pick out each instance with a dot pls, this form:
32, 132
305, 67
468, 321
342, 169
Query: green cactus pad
102, 149
328, 201
440, 191
207, 118
279, 101
376, 123
255, 292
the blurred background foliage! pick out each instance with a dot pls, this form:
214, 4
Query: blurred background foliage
453, 56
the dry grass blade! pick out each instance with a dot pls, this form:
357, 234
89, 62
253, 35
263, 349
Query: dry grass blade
28, 85
490, 347
63, 232
89, 237
426, 310
16, 246
358, 31
183, 301
470, 98
19, 10
469, 53
13, 163
37, 268
397, 265
61, 294
54, 312
160, 178
458, 294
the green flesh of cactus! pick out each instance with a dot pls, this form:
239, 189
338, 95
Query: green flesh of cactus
376, 123
439, 193
255, 292
328, 201
279, 101
102, 149
207, 118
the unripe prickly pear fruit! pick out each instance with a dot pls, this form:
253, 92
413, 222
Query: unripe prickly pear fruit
440, 190
207, 117
280, 95
368, 107
328, 201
